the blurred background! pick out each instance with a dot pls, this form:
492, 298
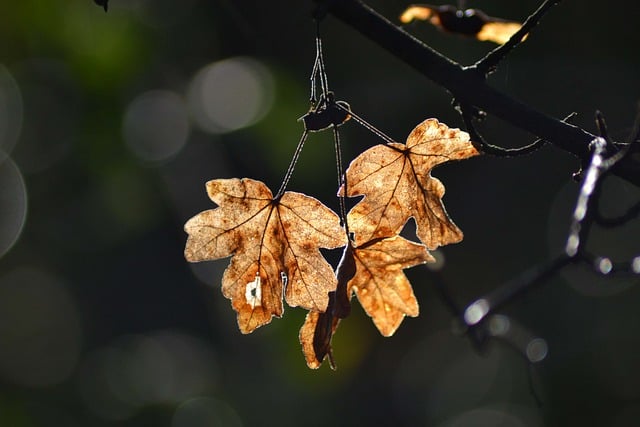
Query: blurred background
110, 124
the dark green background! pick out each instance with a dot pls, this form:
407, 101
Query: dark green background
102, 322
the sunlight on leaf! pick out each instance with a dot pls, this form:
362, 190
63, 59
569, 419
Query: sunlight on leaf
379, 283
374, 273
469, 22
273, 243
397, 184
318, 328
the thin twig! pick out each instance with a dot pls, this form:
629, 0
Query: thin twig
482, 307
292, 165
483, 146
574, 247
365, 124
619, 220
601, 124
489, 63
583, 214
342, 180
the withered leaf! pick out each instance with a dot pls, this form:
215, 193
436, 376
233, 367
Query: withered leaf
397, 184
318, 328
469, 22
374, 273
379, 283
499, 31
275, 248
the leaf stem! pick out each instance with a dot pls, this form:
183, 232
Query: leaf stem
292, 165
342, 180
362, 122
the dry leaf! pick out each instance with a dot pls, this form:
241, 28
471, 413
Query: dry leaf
420, 12
397, 184
275, 248
318, 328
374, 273
379, 283
469, 22
498, 31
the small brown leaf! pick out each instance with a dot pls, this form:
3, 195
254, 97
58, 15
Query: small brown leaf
374, 272
469, 22
420, 12
275, 247
379, 283
499, 31
397, 184
318, 328
315, 337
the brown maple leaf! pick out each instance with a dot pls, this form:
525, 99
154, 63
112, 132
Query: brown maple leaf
374, 273
379, 283
469, 22
275, 248
397, 184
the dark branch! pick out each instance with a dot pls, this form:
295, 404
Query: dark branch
468, 86
488, 64
483, 146
610, 222
575, 247
488, 304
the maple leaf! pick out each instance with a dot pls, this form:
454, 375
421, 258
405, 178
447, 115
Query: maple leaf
275, 247
397, 184
379, 283
469, 22
374, 273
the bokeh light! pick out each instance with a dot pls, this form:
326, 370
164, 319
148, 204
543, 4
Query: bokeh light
439, 262
230, 94
476, 311
499, 325
40, 329
13, 204
156, 125
603, 265
537, 350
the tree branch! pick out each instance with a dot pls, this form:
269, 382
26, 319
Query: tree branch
490, 62
467, 85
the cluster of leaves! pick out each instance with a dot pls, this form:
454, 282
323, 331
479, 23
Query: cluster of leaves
275, 241
469, 22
